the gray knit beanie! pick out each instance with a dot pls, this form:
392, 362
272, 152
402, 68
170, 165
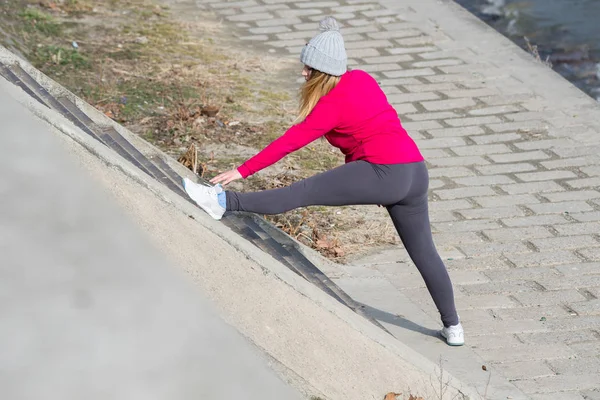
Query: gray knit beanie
326, 52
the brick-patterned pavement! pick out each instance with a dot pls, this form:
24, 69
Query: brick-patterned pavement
514, 160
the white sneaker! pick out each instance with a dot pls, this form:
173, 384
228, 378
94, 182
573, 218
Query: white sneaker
454, 335
206, 197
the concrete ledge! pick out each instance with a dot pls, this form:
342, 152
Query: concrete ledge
90, 308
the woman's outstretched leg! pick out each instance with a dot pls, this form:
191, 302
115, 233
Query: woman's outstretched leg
353, 183
350, 184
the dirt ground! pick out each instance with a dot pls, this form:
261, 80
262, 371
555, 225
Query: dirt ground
163, 70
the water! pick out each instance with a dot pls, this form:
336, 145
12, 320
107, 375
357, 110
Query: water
566, 32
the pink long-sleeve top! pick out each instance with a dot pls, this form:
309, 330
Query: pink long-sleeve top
355, 117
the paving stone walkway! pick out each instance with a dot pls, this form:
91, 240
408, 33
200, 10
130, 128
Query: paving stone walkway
513, 152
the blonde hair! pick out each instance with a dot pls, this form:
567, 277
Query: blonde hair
317, 86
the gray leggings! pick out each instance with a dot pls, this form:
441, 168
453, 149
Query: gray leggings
401, 188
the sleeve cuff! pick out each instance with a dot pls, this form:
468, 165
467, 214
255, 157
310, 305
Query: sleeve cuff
244, 171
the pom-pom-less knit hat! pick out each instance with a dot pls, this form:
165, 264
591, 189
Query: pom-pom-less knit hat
326, 52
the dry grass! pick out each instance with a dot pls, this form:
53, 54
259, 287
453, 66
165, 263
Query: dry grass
157, 73
533, 50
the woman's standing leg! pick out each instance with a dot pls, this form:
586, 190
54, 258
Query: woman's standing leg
411, 219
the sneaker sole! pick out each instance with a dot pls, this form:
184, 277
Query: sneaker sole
451, 344
208, 211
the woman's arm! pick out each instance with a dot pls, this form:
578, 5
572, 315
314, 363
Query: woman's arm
323, 118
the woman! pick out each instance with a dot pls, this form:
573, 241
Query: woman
383, 164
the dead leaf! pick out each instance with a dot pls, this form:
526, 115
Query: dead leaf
210, 111
391, 396
338, 252
323, 243
415, 398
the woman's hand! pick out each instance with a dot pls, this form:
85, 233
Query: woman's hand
226, 177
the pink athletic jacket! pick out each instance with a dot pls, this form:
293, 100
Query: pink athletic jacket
356, 118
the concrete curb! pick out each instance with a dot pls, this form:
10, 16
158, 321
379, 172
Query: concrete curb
92, 309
